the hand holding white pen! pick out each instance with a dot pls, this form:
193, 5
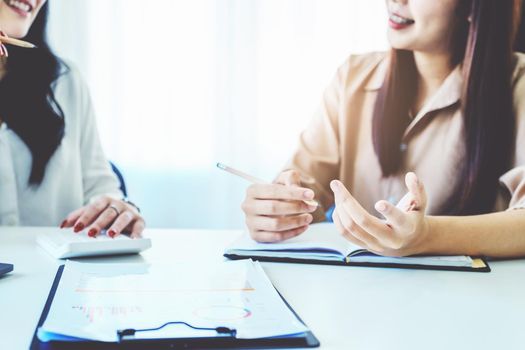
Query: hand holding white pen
277, 211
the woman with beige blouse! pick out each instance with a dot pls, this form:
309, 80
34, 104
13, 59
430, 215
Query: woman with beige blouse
422, 149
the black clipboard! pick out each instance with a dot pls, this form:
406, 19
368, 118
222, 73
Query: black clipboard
305, 340
485, 268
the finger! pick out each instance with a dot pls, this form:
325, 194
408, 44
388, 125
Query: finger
357, 213
90, 213
344, 232
3, 48
417, 189
72, 217
120, 223
289, 178
274, 208
355, 233
273, 237
137, 228
407, 202
393, 215
105, 218
279, 223
273, 191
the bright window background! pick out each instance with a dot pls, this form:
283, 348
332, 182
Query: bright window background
179, 85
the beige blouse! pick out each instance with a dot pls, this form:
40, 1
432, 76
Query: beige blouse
338, 142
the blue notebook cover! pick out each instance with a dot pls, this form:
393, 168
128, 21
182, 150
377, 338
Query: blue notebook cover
5, 268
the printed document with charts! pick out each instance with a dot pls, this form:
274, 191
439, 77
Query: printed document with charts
93, 301
323, 244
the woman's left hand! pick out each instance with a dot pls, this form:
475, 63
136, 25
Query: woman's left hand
114, 214
404, 230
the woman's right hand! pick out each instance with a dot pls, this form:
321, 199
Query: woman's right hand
3, 49
275, 212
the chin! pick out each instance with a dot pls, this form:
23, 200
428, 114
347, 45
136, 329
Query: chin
18, 33
14, 29
12, 24
399, 43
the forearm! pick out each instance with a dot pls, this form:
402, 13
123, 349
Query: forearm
499, 234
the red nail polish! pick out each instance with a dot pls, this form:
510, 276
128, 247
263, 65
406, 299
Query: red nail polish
111, 233
78, 227
92, 232
63, 224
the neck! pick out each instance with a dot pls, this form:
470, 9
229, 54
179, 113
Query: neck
432, 70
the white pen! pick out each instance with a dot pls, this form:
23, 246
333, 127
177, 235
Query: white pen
253, 179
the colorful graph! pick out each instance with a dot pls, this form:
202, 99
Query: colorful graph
92, 313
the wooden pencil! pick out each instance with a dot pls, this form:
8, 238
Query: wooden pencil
253, 179
16, 42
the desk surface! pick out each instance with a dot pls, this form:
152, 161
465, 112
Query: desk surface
346, 307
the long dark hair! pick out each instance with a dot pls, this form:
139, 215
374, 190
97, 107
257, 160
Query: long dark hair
483, 43
27, 102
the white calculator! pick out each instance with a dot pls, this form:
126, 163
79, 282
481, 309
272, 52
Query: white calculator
63, 244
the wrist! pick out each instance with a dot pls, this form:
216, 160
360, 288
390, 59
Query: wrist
424, 244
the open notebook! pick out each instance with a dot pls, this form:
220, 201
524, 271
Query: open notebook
322, 244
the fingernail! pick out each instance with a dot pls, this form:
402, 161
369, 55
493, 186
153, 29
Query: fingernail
63, 224
334, 185
309, 194
111, 233
92, 232
381, 206
78, 227
311, 208
309, 219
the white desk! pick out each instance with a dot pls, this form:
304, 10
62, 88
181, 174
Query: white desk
346, 307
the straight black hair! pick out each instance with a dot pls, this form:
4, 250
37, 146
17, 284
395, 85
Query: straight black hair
483, 44
27, 102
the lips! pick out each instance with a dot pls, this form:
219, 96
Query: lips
397, 21
22, 7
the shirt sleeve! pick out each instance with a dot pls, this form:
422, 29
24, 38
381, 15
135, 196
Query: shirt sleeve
97, 177
514, 179
317, 156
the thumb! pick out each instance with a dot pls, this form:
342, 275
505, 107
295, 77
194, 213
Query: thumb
289, 178
417, 190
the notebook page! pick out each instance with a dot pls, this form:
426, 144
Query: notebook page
322, 241
318, 239
458, 261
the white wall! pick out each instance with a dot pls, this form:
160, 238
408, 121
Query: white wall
181, 84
